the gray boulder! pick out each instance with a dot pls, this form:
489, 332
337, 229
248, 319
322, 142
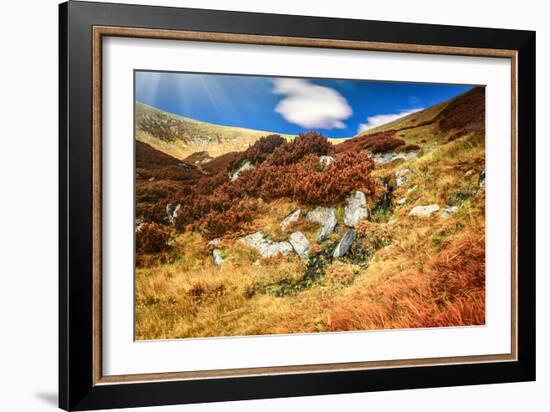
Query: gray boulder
401, 177
424, 211
172, 212
382, 158
217, 257
401, 201
214, 242
246, 165
291, 217
388, 157
300, 244
449, 210
344, 245
326, 217
356, 208
265, 246
324, 161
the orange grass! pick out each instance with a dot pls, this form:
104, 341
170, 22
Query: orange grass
422, 289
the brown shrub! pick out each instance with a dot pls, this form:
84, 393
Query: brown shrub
153, 163
152, 238
464, 111
215, 205
216, 223
302, 145
259, 151
380, 142
306, 184
350, 171
152, 212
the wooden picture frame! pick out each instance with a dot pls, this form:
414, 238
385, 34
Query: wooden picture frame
83, 26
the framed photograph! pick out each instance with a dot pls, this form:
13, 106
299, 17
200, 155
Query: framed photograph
256, 206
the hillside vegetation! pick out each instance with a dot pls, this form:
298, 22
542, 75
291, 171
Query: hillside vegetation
181, 137
384, 230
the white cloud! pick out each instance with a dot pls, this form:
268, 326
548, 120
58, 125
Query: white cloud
380, 119
311, 106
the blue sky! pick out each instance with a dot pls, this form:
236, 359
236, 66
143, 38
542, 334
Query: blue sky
336, 108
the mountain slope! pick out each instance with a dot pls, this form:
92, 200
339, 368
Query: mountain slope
181, 136
426, 129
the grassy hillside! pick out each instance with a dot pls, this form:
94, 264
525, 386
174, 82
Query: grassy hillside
438, 123
405, 268
181, 137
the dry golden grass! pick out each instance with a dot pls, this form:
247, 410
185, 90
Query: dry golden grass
418, 282
340, 274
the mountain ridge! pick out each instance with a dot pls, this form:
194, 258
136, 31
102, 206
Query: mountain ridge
180, 136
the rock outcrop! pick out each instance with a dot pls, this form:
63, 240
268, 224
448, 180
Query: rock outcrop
291, 217
411, 189
300, 244
217, 257
172, 212
265, 246
245, 165
424, 211
324, 161
401, 177
355, 209
214, 242
326, 217
449, 210
344, 245
388, 157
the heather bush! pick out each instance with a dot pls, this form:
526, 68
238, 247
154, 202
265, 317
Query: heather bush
231, 205
152, 212
305, 183
215, 223
215, 205
465, 112
380, 142
259, 151
302, 145
152, 238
